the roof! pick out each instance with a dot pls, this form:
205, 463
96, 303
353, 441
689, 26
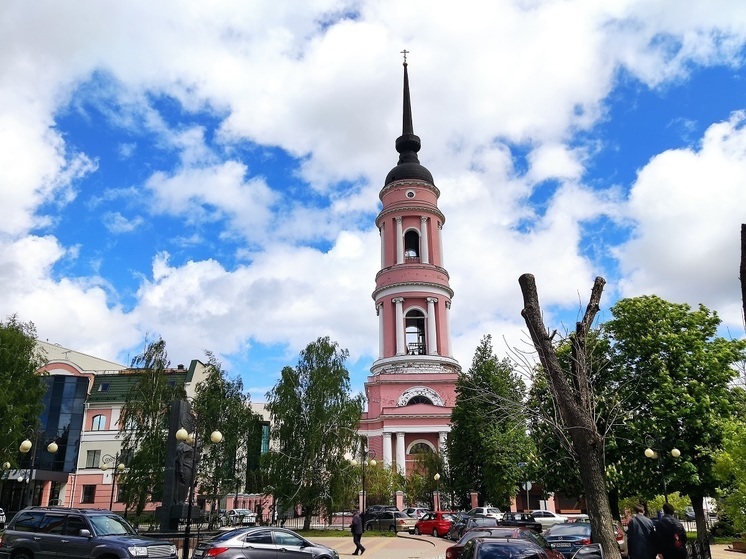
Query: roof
114, 388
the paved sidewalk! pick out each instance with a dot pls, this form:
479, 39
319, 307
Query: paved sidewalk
403, 546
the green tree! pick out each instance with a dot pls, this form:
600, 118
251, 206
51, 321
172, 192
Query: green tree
488, 440
314, 422
675, 373
23, 387
144, 420
221, 404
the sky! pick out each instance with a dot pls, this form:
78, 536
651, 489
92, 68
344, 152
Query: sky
208, 172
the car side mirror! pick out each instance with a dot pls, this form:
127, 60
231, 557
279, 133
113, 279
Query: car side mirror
84, 533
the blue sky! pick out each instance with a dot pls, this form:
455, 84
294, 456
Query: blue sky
209, 172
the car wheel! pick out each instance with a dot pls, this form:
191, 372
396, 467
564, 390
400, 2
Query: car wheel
22, 555
435, 532
392, 528
416, 531
368, 527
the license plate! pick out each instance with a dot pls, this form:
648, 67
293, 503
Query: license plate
198, 553
562, 544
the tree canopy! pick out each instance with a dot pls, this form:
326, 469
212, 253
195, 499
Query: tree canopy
23, 387
314, 422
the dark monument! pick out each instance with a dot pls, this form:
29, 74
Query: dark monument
179, 469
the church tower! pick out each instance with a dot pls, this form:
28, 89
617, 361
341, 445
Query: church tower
411, 388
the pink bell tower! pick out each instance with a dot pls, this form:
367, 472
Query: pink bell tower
411, 387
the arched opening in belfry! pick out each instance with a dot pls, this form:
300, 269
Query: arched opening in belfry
411, 245
415, 332
419, 399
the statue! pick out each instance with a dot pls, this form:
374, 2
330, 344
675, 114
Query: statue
184, 471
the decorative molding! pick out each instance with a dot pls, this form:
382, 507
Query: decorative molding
425, 391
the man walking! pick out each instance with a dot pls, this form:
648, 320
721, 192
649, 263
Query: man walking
356, 526
670, 535
641, 535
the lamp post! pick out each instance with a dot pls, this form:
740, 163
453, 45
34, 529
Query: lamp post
117, 469
655, 455
367, 459
24, 448
191, 439
436, 495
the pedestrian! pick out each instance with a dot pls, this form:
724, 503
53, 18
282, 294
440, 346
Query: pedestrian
641, 542
670, 535
356, 526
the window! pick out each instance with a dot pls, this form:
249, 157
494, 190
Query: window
420, 448
285, 538
93, 459
411, 246
263, 537
28, 521
52, 524
415, 332
419, 399
98, 423
103, 387
89, 494
74, 525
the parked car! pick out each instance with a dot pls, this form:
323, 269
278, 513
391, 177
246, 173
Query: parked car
520, 519
238, 517
568, 537
548, 518
436, 523
260, 542
463, 523
689, 513
76, 534
373, 510
499, 548
415, 512
391, 521
502, 532
486, 511
590, 551
621, 539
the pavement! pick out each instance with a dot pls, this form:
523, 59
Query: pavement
405, 546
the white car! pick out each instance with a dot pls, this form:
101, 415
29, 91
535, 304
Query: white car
239, 517
492, 512
548, 518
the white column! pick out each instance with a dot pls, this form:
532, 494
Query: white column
432, 334
399, 241
440, 243
425, 245
442, 447
382, 233
449, 349
379, 312
400, 349
401, 463
387, 450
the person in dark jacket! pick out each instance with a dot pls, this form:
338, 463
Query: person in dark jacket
356, 526
641, 542
670, 535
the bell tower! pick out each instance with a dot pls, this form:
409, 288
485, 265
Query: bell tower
411, 388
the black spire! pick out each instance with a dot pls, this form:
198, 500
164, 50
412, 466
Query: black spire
408, 144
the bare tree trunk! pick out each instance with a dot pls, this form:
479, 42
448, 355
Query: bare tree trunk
575, 405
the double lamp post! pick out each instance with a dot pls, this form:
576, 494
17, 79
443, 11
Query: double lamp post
367, 458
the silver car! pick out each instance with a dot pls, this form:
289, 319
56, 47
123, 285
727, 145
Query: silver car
262, 543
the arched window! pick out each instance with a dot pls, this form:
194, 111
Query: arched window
415, 332
420, 448
419, 399
411, 246
98, 423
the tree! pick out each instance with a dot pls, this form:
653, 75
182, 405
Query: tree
488, 441
221, 404
677, 373
23, 387
144, 419
314, 422
573, 398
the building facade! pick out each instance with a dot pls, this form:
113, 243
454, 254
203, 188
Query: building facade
411, 387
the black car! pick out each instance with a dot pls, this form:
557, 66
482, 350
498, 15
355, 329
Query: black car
498, 548
465, 523
81, 533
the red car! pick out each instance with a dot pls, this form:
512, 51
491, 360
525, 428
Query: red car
516, 532
436, 523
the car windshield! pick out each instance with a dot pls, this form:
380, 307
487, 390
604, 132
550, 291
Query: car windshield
573, 528
110, 525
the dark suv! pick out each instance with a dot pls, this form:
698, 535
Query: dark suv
40, 532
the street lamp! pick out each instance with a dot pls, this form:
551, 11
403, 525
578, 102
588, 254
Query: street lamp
191, 439
436, 495
117, 469
365, 455
655, 455
24, 448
